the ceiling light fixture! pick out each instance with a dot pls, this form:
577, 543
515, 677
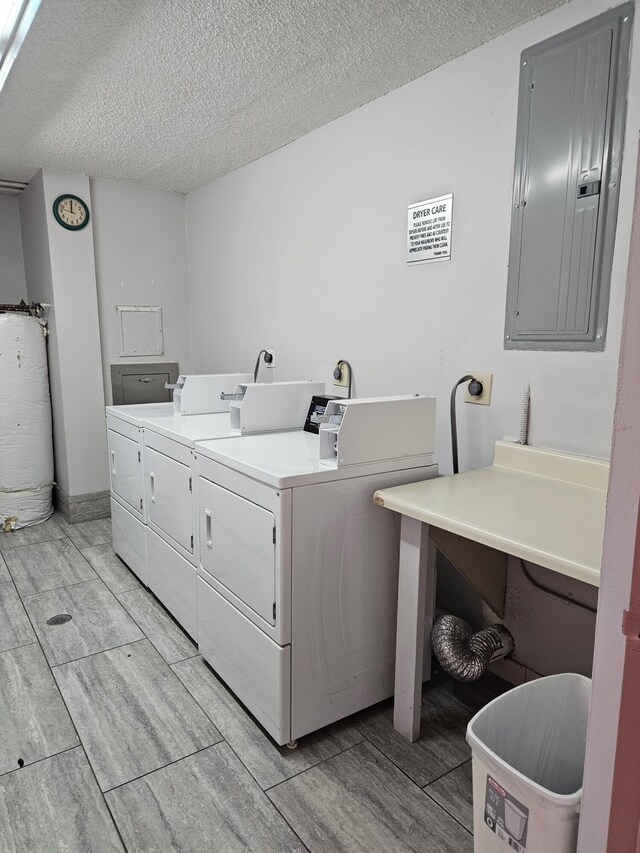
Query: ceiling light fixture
16, 16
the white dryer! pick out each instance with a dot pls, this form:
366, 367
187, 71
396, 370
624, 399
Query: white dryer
169, 474
192, 393
298, 569
126, 475
181, 423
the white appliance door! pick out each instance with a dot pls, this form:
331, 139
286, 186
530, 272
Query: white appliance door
129, 540
169, 497
255, 668
173, 580
125, 469
237, 547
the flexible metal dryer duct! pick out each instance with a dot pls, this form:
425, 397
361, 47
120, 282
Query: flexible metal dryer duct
466, 655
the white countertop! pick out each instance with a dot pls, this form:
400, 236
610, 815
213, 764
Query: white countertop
187, 429
543, 506
287, 459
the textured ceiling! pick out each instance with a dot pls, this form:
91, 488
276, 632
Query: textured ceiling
174, 93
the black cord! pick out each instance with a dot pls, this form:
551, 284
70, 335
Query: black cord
342, 361
454, 426
268, 359
565, 598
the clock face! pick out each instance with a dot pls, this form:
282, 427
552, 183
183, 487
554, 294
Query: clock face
71, 212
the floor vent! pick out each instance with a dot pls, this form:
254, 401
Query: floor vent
60, 619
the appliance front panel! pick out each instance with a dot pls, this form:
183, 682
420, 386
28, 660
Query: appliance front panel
169, 497
237, 547
173, 580
125, 469
129, 540
255, 668
345, 587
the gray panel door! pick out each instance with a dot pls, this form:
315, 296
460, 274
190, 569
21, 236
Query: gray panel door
572, 91
145, 388
142, 383
565, 146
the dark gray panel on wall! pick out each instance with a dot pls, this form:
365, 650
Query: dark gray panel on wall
142, 383
568, 156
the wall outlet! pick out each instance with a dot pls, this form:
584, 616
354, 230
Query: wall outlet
487, 381
272, 353
343, 382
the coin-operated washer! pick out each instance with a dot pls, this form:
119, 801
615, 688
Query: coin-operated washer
298, 569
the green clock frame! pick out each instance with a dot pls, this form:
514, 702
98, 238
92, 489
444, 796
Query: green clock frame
66, 224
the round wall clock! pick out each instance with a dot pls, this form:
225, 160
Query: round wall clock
71, 212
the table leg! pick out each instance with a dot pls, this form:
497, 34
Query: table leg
416, 600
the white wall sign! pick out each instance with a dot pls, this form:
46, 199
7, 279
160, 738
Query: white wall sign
429, 230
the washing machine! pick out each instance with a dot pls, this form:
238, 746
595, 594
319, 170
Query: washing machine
298, 569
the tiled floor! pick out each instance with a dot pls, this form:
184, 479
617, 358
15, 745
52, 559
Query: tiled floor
115, 735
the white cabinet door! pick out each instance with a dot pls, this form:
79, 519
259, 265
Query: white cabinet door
125, 469
173, 580
129, 540
255, 668
237, 547
168, 488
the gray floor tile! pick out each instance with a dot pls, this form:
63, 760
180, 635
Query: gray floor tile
172, 643
111, 568
442, 745
31, 535
454, 792
205, 802
358, 801
98, 621
55, 805
47, 565
15, 628
266, 761
5, 577
84, 534
132, 713
34, 723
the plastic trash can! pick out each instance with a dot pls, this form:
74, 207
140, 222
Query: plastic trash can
528, 749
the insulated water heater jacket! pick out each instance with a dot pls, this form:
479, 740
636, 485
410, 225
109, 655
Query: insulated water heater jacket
26, 444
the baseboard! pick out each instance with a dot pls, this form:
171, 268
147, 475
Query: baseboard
75, 508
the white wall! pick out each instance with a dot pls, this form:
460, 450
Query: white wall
132, 252
74, 287
60, 269
13, 285
618, 582
303, 250
140, 254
